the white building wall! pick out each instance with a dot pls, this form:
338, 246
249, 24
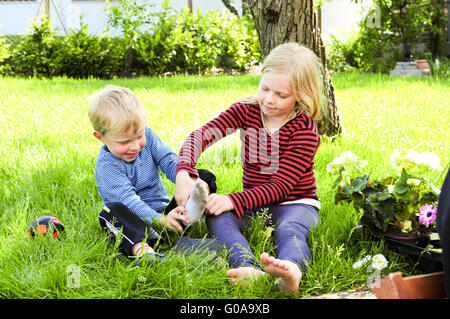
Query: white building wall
16, 17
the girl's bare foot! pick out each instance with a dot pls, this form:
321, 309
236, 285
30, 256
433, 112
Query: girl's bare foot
248, 273
287, 272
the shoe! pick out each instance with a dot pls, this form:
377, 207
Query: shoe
150, 258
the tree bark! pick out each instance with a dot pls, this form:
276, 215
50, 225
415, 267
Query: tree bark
281, 21
438, 41
231, 7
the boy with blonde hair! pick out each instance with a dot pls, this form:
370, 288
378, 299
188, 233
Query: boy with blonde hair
128, 178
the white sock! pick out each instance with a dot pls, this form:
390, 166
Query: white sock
196, 203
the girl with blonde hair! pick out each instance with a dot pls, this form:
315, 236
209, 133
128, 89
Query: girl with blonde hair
280, 139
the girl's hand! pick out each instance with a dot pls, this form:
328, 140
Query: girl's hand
183, 187
171, 220
218, 204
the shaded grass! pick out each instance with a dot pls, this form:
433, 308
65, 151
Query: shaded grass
47, 162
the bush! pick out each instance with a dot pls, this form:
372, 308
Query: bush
440, 67
35, 54
43, 53
194, 42
383, 35
81, 55
171, 42
4, 55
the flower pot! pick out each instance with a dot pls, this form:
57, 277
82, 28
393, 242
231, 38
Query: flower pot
412, 237
428, 260
422, 65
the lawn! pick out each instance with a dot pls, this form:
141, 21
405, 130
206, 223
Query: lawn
47, 162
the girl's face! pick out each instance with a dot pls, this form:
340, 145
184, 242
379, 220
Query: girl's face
275, 97
125, 146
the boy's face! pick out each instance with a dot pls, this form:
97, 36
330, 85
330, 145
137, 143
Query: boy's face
125, 146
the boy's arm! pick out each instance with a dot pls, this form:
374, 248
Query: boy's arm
163, 155
114, 186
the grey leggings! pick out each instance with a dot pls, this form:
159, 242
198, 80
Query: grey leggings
292, 225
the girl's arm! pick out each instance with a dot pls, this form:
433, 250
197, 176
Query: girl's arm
226, 123
291, 167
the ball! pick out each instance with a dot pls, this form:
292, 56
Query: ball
44, 225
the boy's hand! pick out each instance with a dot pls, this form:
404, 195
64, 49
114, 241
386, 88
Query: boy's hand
171, 220
218, 204
183, 187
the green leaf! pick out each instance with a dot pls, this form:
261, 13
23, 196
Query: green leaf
384, 196
401, 186
360, 183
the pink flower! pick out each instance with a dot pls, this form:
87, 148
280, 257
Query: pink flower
427, 214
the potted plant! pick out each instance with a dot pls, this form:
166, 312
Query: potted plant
399, 207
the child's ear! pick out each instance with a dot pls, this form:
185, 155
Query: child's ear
98, 136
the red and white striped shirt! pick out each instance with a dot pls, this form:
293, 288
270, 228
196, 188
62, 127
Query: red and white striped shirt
277, 167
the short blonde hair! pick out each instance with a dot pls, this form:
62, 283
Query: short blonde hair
116, 109
303, 68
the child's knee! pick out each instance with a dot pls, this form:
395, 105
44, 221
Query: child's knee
222, 222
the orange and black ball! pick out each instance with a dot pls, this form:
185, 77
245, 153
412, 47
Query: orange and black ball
44, 225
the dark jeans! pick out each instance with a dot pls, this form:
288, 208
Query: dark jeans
117, 217
292, 225
443, 225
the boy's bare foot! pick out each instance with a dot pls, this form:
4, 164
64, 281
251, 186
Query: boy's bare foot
287, 272
248, 273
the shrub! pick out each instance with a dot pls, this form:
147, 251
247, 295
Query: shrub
35, 54
81, 55
4, 55
152, 44
384, 33
192, 41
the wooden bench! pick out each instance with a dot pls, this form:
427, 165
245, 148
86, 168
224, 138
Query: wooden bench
395, 286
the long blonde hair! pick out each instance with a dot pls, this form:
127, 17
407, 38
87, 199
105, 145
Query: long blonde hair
304, 71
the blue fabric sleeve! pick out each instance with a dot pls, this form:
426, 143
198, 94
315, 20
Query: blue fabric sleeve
163, 155
114, 186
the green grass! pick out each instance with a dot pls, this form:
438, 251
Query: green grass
47, 163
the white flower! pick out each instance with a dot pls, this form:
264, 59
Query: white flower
413, 181
361, 262
379, 262
435, 190
349, 161
431, 160
413, 157
396, 160
391, 188
420, 163
348, 157
335, 166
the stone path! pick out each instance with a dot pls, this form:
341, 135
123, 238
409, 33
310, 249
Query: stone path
351, 294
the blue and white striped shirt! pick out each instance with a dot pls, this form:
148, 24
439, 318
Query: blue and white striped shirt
138, 184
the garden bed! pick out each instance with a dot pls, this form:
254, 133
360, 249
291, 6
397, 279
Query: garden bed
428, 260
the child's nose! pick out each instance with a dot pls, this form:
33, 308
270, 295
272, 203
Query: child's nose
134, 146
269, 98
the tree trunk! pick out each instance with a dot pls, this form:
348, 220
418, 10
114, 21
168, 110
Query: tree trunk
438, 41
230, 6
280, 21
